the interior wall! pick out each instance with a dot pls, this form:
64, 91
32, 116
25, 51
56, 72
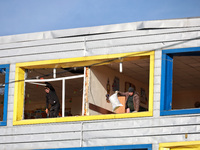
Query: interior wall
76, 109
98, 81
183, 99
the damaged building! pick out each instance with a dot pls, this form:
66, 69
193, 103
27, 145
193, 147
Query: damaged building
159, 59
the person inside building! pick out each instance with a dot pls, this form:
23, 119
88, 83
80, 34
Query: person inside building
132, 100
52, 99
197, 104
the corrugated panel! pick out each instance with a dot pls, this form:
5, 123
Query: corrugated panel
173, 23
139, 140
42, 129
41, 50
40, 145
100, 51
46, 137
141, 123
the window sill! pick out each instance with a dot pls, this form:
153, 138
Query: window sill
180, 112
83, 118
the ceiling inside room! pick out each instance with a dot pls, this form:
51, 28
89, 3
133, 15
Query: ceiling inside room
186, 72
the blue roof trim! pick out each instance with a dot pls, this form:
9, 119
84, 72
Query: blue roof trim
181, 50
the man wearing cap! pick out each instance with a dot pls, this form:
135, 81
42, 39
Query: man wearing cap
52, 99
132, 100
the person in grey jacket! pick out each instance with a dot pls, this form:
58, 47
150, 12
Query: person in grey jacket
132, 100
52, 99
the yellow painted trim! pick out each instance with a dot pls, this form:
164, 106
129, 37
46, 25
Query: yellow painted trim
57, 62
164, 146
76, 62
81, 118
19, 94
151, 83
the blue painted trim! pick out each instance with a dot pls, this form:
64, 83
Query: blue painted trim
163, 83
169, 82
180, 112
132, 147
5, 106
181, 50
166, 82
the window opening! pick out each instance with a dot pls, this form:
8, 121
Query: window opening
2, 91
106, 79
75, 100
180, 82
96, 84
68, 84
186, 82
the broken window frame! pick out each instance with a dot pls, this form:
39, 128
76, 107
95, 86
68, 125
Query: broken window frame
167, 82
75, 62
6, 85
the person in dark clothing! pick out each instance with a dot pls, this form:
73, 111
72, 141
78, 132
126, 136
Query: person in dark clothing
52, 99
132, 100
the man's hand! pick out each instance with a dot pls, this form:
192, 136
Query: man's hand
47, 111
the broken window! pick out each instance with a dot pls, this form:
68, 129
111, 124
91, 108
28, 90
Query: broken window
181, 81
106, 79
86, 88
4, 74
68, 84
101, 77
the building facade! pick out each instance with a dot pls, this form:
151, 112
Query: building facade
159, 59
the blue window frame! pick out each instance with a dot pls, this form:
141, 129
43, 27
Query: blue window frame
171, 74
4, 80
120, 147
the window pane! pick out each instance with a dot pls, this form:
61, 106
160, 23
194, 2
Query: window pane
186, 82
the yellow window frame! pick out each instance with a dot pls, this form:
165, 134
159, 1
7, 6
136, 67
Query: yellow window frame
187, 145
74, 62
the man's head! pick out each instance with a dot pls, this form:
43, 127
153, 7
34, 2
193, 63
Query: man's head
197, 105
48, 87
131, 91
